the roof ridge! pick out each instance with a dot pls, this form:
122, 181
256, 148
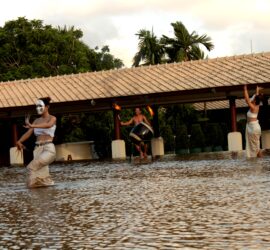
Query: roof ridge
140, 68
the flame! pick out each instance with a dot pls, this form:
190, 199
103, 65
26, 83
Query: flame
150, 110
116, 107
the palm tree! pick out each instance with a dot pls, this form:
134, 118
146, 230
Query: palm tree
150, 51
185, 46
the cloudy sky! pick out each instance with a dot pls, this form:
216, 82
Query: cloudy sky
235, 26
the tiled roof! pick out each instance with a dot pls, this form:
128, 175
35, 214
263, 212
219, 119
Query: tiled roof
210, 73
239, 103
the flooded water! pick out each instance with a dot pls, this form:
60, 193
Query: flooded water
207, 204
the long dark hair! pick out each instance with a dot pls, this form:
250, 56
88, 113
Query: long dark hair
46, 100
258, 99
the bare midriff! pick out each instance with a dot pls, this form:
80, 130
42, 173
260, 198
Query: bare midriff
44, 138
252, 119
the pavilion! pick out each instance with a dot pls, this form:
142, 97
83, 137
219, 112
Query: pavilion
219, 79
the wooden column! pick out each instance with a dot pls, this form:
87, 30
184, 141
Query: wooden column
14, 134
59, 135
233, 114
263, 114
156, 122
116, 124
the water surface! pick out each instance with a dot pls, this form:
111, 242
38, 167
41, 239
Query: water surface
206, 204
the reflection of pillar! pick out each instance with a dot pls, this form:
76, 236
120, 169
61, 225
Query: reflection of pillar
233, 114
116, 124
156, 122
14, 134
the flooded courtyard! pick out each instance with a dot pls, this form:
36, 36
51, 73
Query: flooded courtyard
176, 204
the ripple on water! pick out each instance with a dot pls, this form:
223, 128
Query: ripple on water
207, 204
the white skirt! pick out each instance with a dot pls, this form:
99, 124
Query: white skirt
253, 134
38, 169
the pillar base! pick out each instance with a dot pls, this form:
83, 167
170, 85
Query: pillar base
235, 141
157, 146
118, 150
266, 139
16, 157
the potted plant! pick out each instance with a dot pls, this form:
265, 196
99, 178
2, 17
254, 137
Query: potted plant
197, 140
207, 136
225, 131
168, 136
181, 140
216, 136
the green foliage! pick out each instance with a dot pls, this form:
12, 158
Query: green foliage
181, 139
178, 118
103, 60
150, 49
224, 131
166, 131
197, 139
95, 127
207, 130
215, 134
168, 137
29, 49
180, 114
184, 46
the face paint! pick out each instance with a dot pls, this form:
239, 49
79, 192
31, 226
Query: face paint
40, 107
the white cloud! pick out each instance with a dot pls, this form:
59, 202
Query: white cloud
231, 24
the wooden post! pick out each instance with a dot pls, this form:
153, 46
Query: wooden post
116, 124
156, 122
59, 132
263, 114
14, 134
233, 114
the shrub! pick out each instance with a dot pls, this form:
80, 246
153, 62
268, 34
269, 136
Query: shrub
181, 137
197, 139
225, 131
168, 137
215, 134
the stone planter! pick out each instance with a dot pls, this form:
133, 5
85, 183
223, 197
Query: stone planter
182, 151
217, 148
195, 150
207, 149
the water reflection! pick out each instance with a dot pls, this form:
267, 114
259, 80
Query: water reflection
207, 204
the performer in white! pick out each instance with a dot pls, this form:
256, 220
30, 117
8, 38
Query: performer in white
253, 128
44, 153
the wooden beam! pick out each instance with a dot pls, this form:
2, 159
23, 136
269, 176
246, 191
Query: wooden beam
163, 98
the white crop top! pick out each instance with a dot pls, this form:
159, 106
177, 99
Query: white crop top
45, 131
251, 114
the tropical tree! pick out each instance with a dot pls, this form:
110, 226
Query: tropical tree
101, 59
29, 49
150, 50
185, 46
